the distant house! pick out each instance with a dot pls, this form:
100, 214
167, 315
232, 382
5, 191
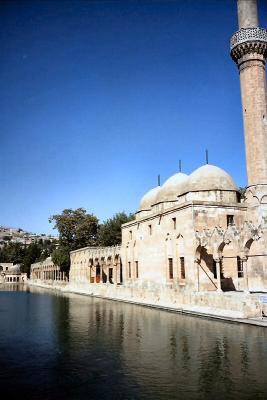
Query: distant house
10, 273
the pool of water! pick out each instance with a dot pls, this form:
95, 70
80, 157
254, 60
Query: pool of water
55, 346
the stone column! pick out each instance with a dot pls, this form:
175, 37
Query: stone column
115, 274
196, 265
249, 51
218, 273
244, 260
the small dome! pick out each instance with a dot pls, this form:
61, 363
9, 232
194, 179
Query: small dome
149, 198
210, 177
172, 188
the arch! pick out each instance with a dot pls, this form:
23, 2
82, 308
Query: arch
169, 245
247, 246
206, 269
230, 254
97, 273
180, 257
264, 199
256, 263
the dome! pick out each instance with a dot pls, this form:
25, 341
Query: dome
149, 198
172, 188
210, 177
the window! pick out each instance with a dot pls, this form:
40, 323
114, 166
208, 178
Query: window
182, 265
129, 270
240, 271
174, 223
110, 275
150, 229
131, 235
170, 268
136, 269
230, 220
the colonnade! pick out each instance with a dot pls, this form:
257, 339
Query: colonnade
46, 275
47, 271
96, 265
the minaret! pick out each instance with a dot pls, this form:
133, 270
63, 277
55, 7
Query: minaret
249, 51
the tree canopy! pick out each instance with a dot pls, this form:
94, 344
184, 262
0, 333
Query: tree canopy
19, 253
110, 230
61, 257
76, 228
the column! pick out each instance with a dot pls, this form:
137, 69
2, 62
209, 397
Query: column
245, 273
115, 274
101, 273
218, 273
197, 262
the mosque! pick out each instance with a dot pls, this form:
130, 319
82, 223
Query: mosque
194, 240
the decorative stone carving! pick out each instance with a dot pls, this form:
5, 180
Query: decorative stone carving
248, 34
240, 237
248, 41
256, 194
232, 234
203, 237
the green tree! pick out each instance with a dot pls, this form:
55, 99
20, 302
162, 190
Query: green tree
12, 252
76, 228
242, 191
32, 254
110, 230
61, 257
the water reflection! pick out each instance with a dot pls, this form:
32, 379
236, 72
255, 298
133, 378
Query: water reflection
75, 347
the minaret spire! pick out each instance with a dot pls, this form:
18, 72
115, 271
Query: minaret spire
249, 51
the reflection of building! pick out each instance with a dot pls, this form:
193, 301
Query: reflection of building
10, 273
46, 271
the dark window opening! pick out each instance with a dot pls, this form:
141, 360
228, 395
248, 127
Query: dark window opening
182, 264
136, 269
150, 229
230, 220
170, 268
110, 275
129, 269
174, 223
240, 271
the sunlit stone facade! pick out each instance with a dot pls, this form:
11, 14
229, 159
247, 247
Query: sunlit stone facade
96, 265
194, 235
10, 273
46, 271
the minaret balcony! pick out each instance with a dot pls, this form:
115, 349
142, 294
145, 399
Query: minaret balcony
249, 41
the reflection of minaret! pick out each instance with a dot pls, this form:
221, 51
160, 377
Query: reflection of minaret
249, 51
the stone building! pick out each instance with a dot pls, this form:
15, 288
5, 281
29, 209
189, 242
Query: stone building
46, 271
194, 234
96, 265
10, 273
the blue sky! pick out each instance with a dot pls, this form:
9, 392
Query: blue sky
99, 97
